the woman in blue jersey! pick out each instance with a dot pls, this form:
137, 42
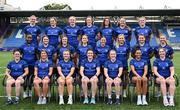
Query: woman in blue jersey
53, 32
89, 71
42, 73
52, 54
64, 45
107, 31
143, 29
34, 30
123, 51
138, 75
164, 72
29, 54
72, 31
147, 51
66, 70
15, 72
123, 29
102, 51
90, 30
113, 69
82, 49
164, 44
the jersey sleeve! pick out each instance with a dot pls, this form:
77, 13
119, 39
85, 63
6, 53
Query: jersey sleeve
106, 64
25, 65
170, 63
98, 64
155, 63
36, 64
132, 62
50, 64
9, 66
39, 31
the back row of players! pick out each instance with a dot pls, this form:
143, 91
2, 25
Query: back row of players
80, 45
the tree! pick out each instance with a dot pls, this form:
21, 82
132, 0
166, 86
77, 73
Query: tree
55, 6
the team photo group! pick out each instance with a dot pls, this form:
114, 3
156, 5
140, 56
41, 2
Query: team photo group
90, 54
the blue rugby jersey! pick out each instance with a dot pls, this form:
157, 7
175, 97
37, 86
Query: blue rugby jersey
29, 52
163, 66
35, 31
17, 68
146, 31
72, 33
102, 54
169, 51
126, 32
66, 67
91, 32
90, 67
113, 68
49, 49
43, 68
53, 35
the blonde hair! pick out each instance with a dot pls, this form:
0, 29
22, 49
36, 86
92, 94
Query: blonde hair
117, 40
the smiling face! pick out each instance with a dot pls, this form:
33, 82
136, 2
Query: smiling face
28, 38
90, 54
17, 55
163, 39
162, 52
112, 54
64, 40
32, 20
141, 39
66, 55
122, 22
138, 54
53, 22
84, 39
121, 39
45, 40
103, 41
106, 22
142, 21
72, 20
44, 55
89, 21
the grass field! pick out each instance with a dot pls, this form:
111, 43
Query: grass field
26, 104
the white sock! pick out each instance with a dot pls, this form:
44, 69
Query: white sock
70, 96
165, 97
171, 97
109, 96
139, 97
117, 96
9, 98
144, 97
61, 97
93, 96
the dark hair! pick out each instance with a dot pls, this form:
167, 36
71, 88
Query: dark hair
92, 51
28, 35
91, 19
17, 50
60, 44
53, 18
103, 23
137, 48
44, 37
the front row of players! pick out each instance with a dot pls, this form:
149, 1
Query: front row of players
90, 72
